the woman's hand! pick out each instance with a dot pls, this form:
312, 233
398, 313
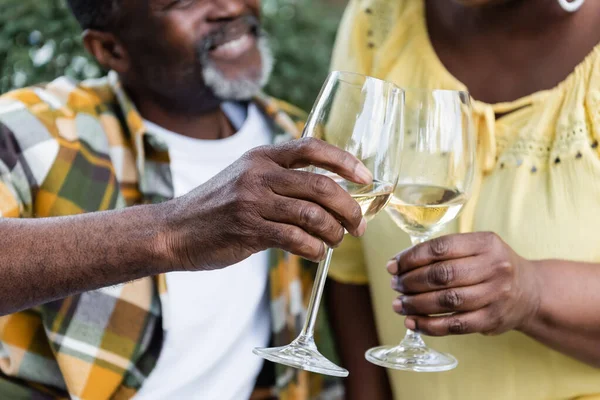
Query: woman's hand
476, 277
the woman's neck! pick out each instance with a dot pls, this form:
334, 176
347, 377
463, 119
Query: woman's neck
510, 50
516, 17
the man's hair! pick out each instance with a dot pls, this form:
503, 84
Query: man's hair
95, 14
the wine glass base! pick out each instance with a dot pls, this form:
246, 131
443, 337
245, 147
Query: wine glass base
303, 356
419, 359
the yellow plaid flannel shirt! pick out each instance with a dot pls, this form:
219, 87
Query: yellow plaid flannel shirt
68, 148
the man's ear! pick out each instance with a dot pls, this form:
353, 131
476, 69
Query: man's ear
107, 50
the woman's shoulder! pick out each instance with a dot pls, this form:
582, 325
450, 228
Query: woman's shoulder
365, 28
379, 17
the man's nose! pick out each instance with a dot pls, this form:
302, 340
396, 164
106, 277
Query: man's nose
227, 9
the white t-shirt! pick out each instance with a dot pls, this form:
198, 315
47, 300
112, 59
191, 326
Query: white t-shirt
214, 319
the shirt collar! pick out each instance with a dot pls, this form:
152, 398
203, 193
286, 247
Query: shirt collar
284, 127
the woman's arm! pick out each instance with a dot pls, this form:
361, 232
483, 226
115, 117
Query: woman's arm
353, 324
568, 316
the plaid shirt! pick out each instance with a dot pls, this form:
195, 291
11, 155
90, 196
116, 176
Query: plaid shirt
68, 148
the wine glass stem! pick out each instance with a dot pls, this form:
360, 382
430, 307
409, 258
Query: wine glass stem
315, 297
413, 339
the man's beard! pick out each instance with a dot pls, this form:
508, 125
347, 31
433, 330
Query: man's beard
243, 88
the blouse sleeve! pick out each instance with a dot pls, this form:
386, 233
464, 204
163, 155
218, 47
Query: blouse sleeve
348, 262
366, 25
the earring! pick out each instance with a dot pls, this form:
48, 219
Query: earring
571, 6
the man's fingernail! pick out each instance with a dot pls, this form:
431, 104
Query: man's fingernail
392, 267
410, 323
397, 306
323, 252
364, 174
362, 228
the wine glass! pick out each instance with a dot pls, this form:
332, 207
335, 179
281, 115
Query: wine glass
436, 174
363, 116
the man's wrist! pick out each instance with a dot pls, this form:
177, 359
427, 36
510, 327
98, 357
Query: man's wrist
149, 236
160, 247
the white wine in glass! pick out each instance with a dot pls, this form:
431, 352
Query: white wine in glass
371, 198
421, 210
436, 174
363, 116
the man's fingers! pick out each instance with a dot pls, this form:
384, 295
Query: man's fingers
321, 190
308, 216
293, 239
309, 151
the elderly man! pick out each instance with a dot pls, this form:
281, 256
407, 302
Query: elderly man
163, 168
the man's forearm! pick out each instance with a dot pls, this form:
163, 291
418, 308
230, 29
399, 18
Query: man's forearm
48, 259
567, 319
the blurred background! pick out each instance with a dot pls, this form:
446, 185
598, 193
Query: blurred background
39, 41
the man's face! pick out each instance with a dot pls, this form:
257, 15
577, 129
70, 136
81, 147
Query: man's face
194, 49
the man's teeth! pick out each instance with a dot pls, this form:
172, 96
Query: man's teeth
234, 44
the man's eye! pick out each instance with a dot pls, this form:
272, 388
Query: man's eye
179, 4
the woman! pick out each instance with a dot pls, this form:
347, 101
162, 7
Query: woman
533, 287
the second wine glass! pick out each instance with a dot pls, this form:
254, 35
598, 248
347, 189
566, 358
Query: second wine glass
436, 173
363, 116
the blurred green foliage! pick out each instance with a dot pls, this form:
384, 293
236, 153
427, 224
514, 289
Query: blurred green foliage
40, 40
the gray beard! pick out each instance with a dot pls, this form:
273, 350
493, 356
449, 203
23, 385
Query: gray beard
240, 89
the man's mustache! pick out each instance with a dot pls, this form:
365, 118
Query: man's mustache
249, 23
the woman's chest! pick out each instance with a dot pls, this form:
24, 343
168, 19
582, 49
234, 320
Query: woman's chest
551, 210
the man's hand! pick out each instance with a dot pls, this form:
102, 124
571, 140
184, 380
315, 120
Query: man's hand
477, 277
262, 202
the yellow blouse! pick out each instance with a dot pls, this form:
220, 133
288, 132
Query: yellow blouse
537, 186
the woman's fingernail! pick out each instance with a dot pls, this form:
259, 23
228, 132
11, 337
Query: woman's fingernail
410, 323
392, 267
397, 306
